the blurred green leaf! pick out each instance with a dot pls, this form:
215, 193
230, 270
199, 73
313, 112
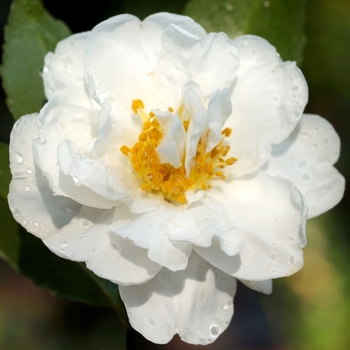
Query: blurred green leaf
29, 35
281, 22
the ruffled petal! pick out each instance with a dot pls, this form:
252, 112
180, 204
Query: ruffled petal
88, 181
306, 158
63, 73
270, 214
149, 231
201, 222
58, 122
87, 238
172, 302
268, 98
31, 200
211, 62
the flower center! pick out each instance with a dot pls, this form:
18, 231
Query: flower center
171, 181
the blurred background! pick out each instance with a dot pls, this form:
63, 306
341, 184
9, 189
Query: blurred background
310, 310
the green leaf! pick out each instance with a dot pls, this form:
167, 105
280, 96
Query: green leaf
281, 22
30, 34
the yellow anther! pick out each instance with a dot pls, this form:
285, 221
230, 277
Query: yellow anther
151, 114
231, 161
226, 132
225, 150
136, 105
125, 150
170, 109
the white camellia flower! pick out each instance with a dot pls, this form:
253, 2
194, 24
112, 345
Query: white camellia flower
173, 162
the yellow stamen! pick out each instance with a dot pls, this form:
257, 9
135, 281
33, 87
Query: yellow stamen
173, 182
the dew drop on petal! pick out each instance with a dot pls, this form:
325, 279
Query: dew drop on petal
214, 330
305, 177
152, 322
273, 257
64, 246
290, 238
19, 158
29, 171
86, 223
27, 188
291, 260
75, 179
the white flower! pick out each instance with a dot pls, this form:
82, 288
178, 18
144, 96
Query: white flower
173, 162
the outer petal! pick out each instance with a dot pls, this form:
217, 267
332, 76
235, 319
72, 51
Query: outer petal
30, 199
149, 231
63, 73
130, 50
268, 98
58, 122
306, 158
87, 238
270, 214
172, 302
260, 286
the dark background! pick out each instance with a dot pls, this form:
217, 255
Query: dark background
310, 310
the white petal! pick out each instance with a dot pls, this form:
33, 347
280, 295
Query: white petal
219, 109
211, 62
31, 200
196, 303
63, 73
87, 238
260, 286
149, 231
268, 98
172, 146
270, 214
306, 158
202, 221
56, 123
88, 181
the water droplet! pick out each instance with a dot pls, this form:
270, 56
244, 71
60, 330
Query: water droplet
161, 233
93, 249
225, 306
326, 141
29, 171
290, 238
36, 224
274, 244
27, 188
273, 257
17, 215
295, 88
19, 158
305, 177
54, 194
296, 114
303, 164
64, 246
214, 330
273, 271
108, 169
152, 322
157, 244
291, 259
86, 223
75, 179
